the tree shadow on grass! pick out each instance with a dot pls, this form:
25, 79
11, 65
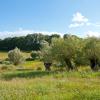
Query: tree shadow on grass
24, 74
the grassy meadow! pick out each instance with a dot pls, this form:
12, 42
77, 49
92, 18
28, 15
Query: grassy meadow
3, 55
33, 83
41, 85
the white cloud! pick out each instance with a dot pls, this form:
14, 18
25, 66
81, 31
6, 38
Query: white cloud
22, 32
93, 24
92, 33
79, 18
76, 25
88, 24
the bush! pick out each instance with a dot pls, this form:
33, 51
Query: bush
29, 59
36, 55
15, 56
6, 62
39, 68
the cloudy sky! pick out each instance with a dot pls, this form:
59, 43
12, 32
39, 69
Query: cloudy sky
22, 17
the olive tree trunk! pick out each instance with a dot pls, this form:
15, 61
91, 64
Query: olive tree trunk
69, 64
47, 66
93, 63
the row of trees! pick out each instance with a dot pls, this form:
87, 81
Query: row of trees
70, 51
26, 43
74, 51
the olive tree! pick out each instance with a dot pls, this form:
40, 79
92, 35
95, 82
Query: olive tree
46, 55
15, 56
92, 51
65, 50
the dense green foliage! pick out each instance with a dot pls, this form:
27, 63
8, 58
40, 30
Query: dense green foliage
73, 51
26, 43
36, 55
65, 50
92, 51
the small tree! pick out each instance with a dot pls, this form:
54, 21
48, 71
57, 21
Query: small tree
46, 55
15, 56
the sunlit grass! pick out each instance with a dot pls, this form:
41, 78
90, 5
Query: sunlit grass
41, 85
3, 55
32, 65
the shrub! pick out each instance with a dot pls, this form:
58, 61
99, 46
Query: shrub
15, 56
36, 55
29, 59
6, 62
39, 68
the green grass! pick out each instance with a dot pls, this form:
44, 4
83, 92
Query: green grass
41, 85
3, 55
32, 65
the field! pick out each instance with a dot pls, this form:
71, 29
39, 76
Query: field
3, 55
41, 85
32, 83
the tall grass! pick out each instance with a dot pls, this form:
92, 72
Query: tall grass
41, 85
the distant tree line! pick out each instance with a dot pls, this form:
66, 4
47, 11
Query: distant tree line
26, 43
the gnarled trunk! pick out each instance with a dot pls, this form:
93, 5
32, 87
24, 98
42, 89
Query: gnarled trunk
93, 63
69, 64
47, 66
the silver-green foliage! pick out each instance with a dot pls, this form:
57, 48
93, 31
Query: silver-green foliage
46, 52
65, 49
92, 48
92, 51
15, 56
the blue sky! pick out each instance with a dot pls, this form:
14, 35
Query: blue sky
21, 17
